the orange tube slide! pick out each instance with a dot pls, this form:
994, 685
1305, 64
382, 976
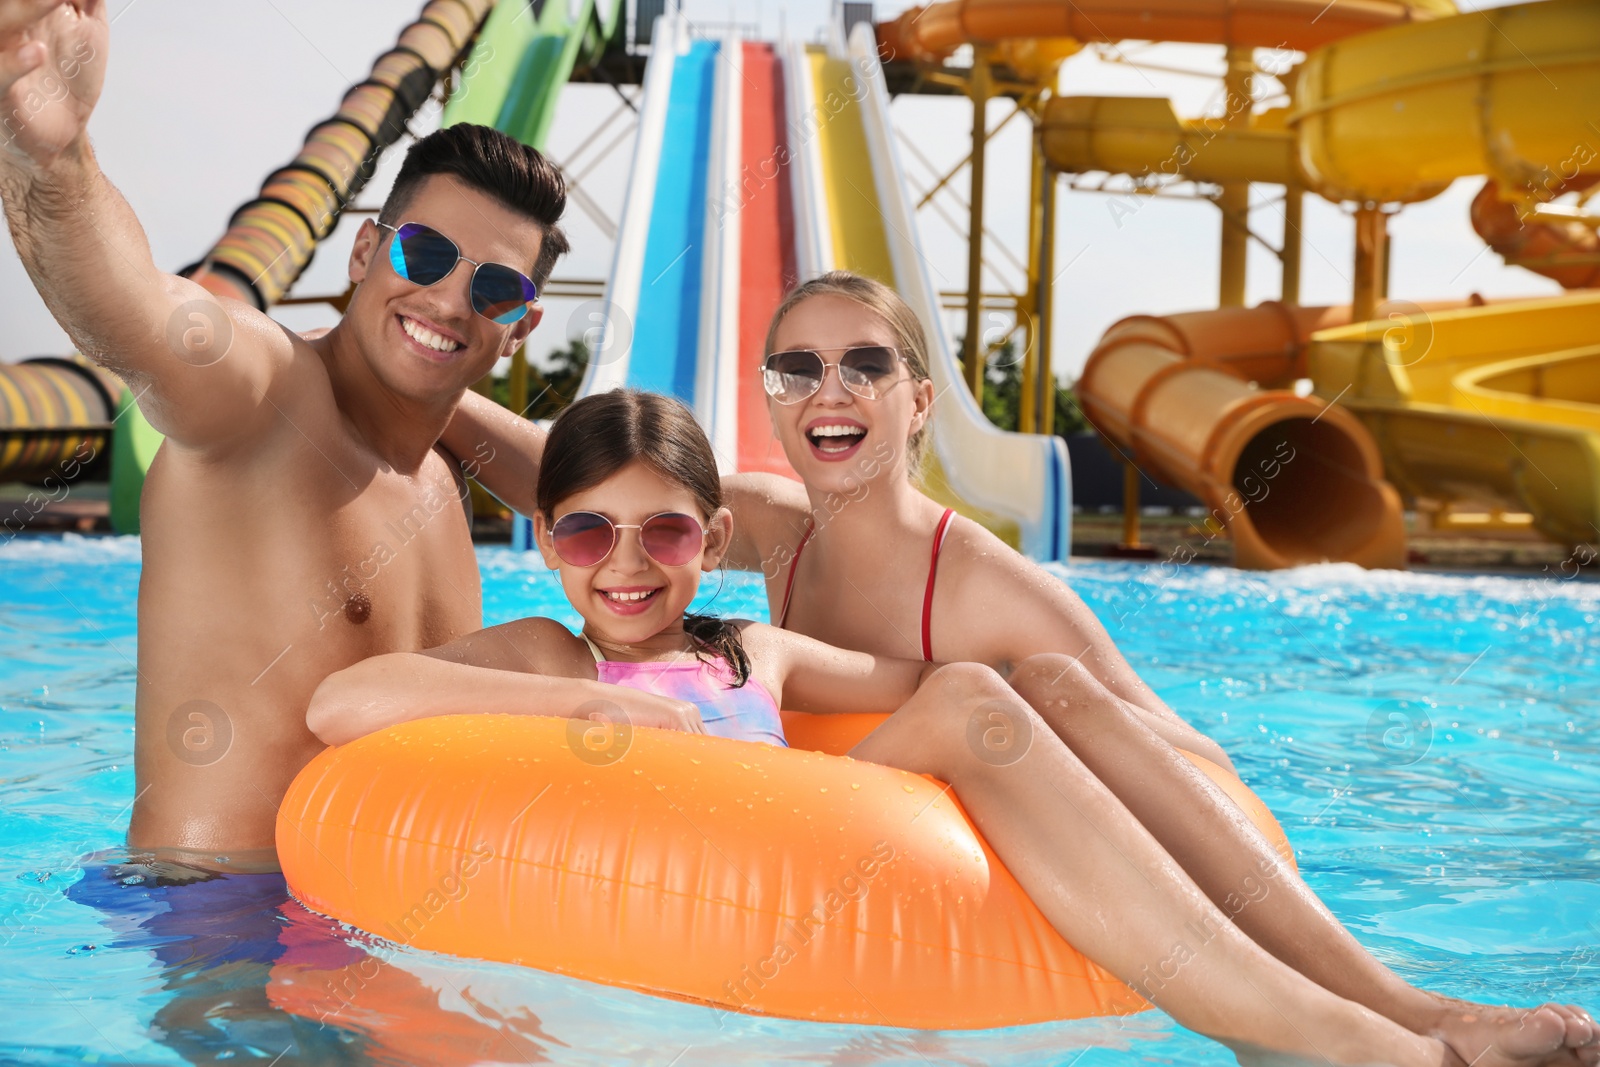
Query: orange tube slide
932, 33
1295, 480
778, 881
1568, 252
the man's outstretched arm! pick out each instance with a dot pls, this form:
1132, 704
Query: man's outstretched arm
200, 365
497, 448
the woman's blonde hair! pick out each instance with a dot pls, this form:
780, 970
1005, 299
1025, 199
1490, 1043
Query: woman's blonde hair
873, 295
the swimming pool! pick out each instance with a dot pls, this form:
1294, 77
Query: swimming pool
1428, 741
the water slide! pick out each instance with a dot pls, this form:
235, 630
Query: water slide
1494, 405
1390, 115
757, 166
56, 415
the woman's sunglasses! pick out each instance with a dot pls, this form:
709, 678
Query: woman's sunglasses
425, 256
791, 377
584, 538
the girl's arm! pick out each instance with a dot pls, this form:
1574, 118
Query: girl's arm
808, 675
519, 668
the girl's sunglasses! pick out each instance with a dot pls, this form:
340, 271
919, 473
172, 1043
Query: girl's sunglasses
426, 256
791, 377
584, 538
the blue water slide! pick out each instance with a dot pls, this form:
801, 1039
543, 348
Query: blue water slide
650, 331
666, 336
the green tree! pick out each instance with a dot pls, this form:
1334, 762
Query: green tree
552, 386
1002, 394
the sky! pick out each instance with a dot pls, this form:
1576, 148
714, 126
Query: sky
202, 100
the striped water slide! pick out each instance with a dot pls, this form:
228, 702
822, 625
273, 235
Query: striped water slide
673, 295
755, 167
854, 210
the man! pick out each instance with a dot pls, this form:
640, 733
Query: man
300, 515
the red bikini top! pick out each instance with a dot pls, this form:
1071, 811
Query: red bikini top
927, 595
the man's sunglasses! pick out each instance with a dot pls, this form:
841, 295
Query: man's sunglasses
585, 538
791, 377
425, 256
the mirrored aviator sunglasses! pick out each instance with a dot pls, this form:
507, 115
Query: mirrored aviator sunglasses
585, 538
790, 377
424, 256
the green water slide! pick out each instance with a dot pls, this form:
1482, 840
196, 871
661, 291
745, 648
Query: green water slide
525, 54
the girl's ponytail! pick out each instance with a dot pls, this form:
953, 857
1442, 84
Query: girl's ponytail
720, 637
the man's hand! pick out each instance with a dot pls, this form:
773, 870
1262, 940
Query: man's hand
201, 367
52, 67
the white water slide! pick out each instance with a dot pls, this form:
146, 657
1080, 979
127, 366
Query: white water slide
757, 165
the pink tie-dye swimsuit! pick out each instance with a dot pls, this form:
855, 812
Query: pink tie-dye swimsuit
746, 713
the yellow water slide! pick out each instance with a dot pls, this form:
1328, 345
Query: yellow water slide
1493, 406
1393, 102
1292, 478
1496, 405
854, 211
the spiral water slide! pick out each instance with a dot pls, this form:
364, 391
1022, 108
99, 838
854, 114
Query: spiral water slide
54, 409
1395, 101
1496, 405
757, 166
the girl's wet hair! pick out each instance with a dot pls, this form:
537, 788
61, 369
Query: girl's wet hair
599, 435
887, 304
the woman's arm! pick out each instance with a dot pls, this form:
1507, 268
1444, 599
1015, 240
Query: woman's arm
519, 668
497, 448
769, 515
808, 675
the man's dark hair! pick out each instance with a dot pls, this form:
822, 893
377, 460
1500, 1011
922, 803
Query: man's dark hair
496, 165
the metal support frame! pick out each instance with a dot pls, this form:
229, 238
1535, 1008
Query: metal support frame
575, 175
1032, 385
1293, 243
988, 235
1234, 199
1372, 271
980, 89
1044, 307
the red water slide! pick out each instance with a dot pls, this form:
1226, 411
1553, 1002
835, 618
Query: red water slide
766, 248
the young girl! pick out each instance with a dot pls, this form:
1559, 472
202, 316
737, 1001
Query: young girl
630, 514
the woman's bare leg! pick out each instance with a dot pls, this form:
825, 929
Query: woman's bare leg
1111, 890
1239, 870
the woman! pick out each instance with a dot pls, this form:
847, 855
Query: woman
859, 557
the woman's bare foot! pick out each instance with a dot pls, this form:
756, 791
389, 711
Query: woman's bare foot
1510, 1037
1430, 1052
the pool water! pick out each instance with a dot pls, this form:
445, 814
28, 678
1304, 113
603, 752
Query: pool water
1430, 742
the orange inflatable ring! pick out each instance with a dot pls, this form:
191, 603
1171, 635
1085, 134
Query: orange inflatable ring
788, 882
